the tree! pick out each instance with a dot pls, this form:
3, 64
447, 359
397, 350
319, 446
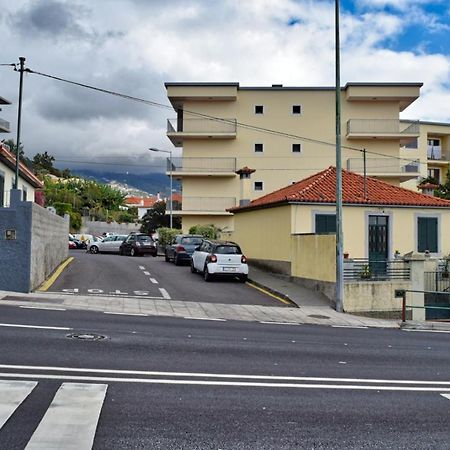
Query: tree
43, 163
22, 158
157, 218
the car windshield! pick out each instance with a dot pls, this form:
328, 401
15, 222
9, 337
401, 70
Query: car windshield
227, 250
191, 240
145, 239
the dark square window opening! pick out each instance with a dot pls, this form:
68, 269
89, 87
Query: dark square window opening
427, 234
259, 148
325, 223
258, 185
296, 148
296, 109
259, 109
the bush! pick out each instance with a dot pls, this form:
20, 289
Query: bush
75, 220
207, 231
62, 208
167, 235
125, 218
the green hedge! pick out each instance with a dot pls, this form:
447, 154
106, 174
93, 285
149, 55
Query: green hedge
207, 231
167, 235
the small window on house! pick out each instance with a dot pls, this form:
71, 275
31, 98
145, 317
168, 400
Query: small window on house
24, 193
413, 143
259, 148
325, 223
427, 234
258, 186
259, 109
296, 109
435, 173
296, 148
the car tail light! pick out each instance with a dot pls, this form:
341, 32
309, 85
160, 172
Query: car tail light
243, 259
180, 248
213, 258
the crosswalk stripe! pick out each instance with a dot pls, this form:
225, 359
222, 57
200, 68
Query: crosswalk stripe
71, 419
12, 394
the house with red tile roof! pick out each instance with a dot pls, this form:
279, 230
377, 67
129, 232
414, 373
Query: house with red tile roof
379, 219
143, 204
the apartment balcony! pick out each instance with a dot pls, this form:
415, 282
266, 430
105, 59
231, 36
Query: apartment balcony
202, 167
382, 129
200, 128
4, 126
385, 168
207, 206
437, 156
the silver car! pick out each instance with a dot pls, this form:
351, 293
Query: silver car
110, 244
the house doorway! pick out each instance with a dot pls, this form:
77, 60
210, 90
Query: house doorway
378, 243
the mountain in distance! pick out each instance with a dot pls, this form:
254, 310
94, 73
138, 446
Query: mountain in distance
130, 183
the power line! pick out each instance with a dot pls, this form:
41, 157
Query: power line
219, 119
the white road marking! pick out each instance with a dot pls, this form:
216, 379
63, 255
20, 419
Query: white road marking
43, 307
360, 387
164, 293
205, 318
357, 327
447, 396
153, 281
220, 375
39, 327
142, 267
427, 331
118, 292
71, 291
147, 273
12, 394
279, 323
123, 314
138, 294
71, 420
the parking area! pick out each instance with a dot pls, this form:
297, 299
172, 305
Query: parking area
149, 277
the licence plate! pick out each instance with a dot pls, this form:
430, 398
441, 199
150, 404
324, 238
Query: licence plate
228, 269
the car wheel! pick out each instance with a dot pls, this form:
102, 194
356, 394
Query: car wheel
206, 275
133, 252
166, 257
121, 251
193, 269
243, 278
176, 260
93, 249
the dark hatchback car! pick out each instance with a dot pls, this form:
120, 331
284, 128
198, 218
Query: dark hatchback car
183, 247
138, 244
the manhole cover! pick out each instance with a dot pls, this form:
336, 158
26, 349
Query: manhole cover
86, 336
318, 316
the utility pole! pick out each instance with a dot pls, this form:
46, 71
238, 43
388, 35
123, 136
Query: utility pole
19, 120
365, 173
339, 295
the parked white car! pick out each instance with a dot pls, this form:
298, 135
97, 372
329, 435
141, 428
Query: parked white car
110, 244
221, 258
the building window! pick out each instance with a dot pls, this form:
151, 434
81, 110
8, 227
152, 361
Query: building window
434, 142
259, 109
435, 173
296, 148
413, 144
325, 223
259, 148
258, 186
296, 109
427, 234
24, 193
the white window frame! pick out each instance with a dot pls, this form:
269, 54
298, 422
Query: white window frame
259, 114
254, 147
258, 190
301, 148
297, 114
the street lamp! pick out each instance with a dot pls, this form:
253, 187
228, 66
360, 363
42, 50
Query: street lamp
170, 175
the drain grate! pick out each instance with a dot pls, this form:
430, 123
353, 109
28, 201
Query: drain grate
318, 316
86, 336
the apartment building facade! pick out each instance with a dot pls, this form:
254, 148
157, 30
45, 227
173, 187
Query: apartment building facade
280, 135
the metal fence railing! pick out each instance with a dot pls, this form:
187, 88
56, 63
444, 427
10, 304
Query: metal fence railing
202, 165
362, 269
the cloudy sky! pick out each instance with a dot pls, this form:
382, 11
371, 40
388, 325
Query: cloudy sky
134, 46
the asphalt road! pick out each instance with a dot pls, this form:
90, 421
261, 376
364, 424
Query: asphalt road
109, 274
208, 385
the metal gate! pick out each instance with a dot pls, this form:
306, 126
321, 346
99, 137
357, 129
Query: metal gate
439, 283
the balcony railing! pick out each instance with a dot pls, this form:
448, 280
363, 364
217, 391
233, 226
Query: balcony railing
361, 269
5, 126
208, 204
380, 166
437, 153
202, 126
382, 127
202, 165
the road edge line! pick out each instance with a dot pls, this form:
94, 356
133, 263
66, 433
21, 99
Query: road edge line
47, 284
271, 293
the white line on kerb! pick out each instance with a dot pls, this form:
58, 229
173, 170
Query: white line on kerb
164, 293
426, 331
42, 307
221, 375
146, 273
123, 314
153, 281
226, 383
358, 327
205, 318
278, 323
39, 327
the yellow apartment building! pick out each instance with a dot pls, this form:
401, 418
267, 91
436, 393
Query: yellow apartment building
284, 134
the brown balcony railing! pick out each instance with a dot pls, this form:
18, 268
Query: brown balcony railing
202, 165
202, 126
381, 127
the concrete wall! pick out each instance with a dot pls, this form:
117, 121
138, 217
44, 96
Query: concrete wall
98, 228
41, 244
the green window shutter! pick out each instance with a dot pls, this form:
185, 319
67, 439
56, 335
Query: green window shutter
325, 223
427, 239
